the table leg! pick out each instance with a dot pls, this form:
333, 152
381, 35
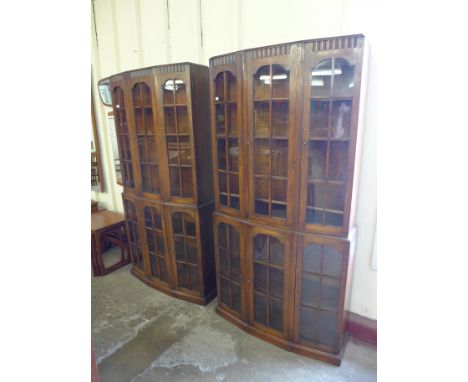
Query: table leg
94, 256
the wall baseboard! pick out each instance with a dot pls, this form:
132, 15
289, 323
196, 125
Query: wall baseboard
362, 328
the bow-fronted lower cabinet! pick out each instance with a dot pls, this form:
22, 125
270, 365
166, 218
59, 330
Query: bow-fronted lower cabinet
163, 133
286, 142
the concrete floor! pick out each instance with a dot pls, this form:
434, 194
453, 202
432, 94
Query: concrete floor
143, 335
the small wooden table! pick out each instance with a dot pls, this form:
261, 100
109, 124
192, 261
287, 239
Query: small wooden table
108, 227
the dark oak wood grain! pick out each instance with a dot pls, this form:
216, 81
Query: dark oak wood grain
163, 129
297, 108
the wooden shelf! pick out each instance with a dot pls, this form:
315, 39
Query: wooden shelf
325, 210
171, 106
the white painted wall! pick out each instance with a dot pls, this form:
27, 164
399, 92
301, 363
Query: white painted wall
128, 34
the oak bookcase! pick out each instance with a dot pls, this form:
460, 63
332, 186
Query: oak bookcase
285, 141
163, 133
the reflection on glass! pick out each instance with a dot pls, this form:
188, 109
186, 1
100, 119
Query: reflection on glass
152, 147
182, 275
224, 291
261, 186
328, 328
332, 87
280, 81
260, 278
279, 189
308, 329
177, 127
232, 88
279, 158
262, 83
222, 235
133, 235
233, 184
227, 143
279, 119
187, 183
261, 157
261, 248
220, 119
104, 92
320, 293
186, 250
233, 154
330, 294
223, 261
143, 118
172, 150
271, 118
261, 207
341, 119
118, 103
276, 282
318, 120
219, 88
222, 182
268, 277
311, 258
232, 120
185, 151
229, 264
335, 219
194, 277
317, 159
335, 196
174, 180
276, 315
278, 210
338, 159
315, 194
221, 154
276, 252
182, 120
234, 200
310, 290
260, 313
192, 256
169, 120
261, 120
236, 297
180, 92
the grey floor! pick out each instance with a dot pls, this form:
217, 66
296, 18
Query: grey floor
143, 335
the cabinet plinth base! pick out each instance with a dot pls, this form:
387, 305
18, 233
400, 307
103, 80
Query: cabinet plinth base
175, 293
334, 359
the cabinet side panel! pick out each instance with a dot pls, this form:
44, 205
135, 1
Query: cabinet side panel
206, 237
201, 131
364, 60
349, 278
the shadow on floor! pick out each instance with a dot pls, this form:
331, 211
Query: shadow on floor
143, 335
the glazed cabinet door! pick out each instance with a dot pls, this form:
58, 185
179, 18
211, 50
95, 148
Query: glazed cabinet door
142, 104
176, 122
230, 265
320, 285
186, 249
271, 85
331, 95
134, 234
154, 246
226, 116
119, 104
269, 280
